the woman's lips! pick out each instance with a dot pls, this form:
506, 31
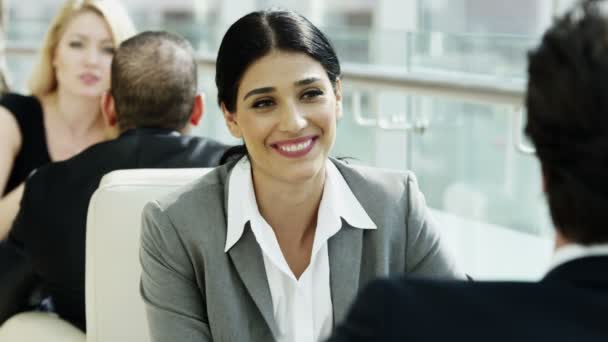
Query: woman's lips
295, 148
89, 79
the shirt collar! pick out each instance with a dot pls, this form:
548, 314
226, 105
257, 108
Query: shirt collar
342, 202
338, 202
573, 251
242, 204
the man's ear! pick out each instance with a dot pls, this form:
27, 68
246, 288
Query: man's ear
108, 109
338, 99
198, 110
231, 122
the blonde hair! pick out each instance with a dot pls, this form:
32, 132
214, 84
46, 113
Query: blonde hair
43, 80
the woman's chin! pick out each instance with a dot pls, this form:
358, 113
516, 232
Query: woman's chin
302, 174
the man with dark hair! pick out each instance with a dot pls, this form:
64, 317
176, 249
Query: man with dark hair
153, 100
145, 89
567, 102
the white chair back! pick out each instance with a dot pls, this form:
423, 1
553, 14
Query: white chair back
39, 326
114, 309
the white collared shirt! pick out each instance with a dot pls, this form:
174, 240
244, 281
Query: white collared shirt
302, 307
573, 251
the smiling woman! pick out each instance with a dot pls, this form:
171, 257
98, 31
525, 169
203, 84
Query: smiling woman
62, 115
280, 239
287, 117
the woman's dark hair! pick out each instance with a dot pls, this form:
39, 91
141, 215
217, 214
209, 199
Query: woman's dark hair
253, 37
567, 103
258, 33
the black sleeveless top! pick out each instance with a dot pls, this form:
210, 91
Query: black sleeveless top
34, 152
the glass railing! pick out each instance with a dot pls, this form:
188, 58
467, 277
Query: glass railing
466, 55
463, 154
465, 150
463, 55
499, 56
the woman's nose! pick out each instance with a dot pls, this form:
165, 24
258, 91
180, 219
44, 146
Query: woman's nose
293, 119
92, 56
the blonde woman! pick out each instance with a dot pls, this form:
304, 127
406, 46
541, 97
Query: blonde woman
62, 115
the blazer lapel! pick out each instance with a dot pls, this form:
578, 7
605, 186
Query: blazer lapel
344, 250
248, 261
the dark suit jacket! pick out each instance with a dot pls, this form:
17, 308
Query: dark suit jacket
50, 227
569, 304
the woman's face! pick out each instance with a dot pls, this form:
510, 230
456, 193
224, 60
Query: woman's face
286, 112
83, 56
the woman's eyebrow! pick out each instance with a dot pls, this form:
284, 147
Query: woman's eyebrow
306, 81
264, 90
78, 35
86, 37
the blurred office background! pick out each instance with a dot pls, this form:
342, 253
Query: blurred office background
434, 86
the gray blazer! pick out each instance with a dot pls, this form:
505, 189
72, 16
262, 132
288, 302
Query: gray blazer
196, 292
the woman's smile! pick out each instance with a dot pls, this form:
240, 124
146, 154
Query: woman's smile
286, 114
295, 148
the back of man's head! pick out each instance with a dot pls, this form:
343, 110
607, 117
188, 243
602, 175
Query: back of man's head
154, 81
567, 103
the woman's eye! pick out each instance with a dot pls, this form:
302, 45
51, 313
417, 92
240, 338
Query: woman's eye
263, 103
109, 50
75, 44
312, 94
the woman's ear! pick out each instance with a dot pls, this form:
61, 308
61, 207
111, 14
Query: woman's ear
231, 122
338, 99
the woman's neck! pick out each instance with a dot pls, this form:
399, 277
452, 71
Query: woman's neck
290, 209
80, 115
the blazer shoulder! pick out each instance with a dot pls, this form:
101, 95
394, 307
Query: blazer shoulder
205, 145
208, 142
365, 181
195, 213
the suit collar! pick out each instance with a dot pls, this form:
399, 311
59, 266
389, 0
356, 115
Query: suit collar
585, 271
573, 251
345, 250
248, 261
249, 264
149, 131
